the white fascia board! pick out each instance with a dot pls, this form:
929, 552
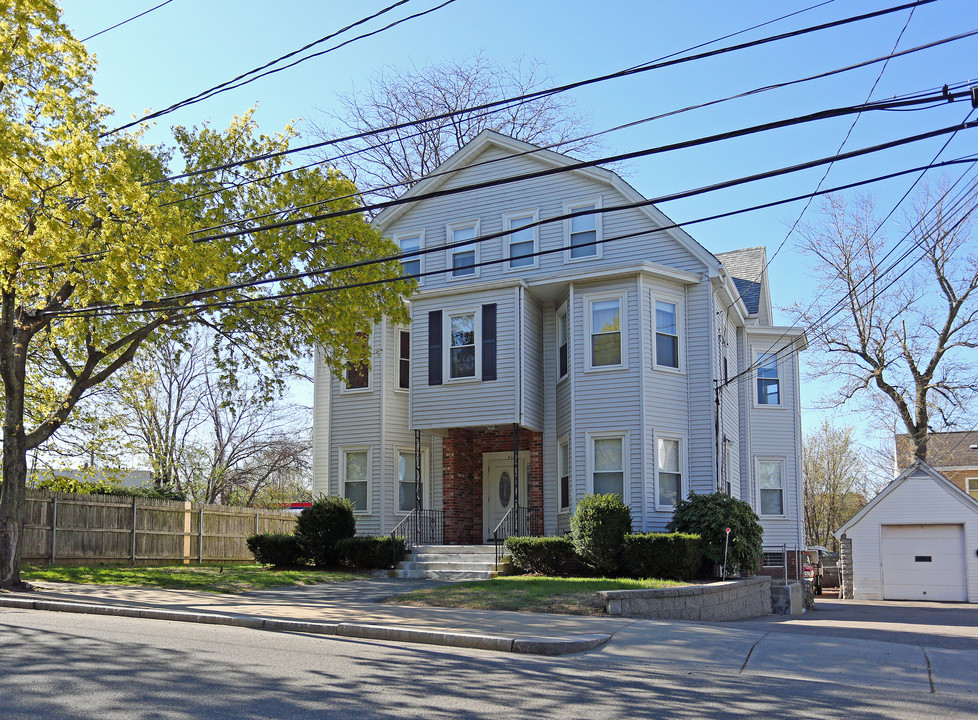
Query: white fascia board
727, 292
791, 334
468, 288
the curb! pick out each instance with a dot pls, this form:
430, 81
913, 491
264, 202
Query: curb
499, 643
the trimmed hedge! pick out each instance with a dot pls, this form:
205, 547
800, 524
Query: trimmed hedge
370, 553
598, 526
554, 556
321, 525
276, 549
667, 556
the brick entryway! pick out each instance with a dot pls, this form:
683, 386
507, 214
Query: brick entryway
462, 456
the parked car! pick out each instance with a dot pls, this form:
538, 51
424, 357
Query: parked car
812, 569
821, 567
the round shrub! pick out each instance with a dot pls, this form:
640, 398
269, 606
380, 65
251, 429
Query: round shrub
321, 525
276, 549
598, 528
708, 516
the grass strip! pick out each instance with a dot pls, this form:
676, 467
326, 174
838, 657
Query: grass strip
208, 578
527, 593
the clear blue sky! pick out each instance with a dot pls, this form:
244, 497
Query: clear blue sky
190, 45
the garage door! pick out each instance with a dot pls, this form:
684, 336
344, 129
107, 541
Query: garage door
923, 562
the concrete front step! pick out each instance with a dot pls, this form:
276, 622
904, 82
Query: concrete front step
452, 562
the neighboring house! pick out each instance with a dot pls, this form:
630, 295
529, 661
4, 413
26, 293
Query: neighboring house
916, 540
593, 368
954, 454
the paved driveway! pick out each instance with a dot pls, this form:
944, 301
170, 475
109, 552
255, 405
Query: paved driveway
933, 624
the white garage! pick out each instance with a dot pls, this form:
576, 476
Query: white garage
916, 540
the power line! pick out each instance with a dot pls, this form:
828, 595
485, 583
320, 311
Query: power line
120, 24
654, 65
239, 81
117, 309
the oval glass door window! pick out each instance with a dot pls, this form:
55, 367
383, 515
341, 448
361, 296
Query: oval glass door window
505, 489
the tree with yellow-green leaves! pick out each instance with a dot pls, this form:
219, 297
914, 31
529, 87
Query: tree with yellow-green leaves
99, 262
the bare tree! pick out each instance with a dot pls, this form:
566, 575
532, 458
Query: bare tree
390, 162
835, 488
903, 342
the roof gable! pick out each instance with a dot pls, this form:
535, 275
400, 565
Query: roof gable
918, 469
748, 270
468, 154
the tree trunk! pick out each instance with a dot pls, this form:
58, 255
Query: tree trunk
13, 500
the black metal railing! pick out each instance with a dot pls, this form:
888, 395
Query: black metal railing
517, 522
421, 527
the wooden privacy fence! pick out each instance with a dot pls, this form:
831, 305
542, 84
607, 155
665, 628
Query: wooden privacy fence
71, 529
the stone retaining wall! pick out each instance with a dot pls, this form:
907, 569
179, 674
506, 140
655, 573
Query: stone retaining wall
730, 600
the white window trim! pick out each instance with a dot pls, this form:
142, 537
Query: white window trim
967, 486
756, 353
565, 440
449, 239
425, 476
447, 345
535, 217
562, 310
344, 451
398, 329
396, 239
758, 459
609, 435
622, 298
678, 301
683, 469
598, 232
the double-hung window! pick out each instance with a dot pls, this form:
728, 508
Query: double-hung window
768, 382
522, 240
669, 463
406, 480
409, 244
562, 335
608, 465
563, 475
770, 486
464, 259
606, 332
583, 233
357, 376
462, 348
973, 487
403, 359
666, 334
355, 475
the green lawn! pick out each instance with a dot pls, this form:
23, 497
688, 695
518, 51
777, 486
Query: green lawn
210, 578
528, 593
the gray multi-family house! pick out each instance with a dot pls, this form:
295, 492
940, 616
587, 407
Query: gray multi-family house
566, 338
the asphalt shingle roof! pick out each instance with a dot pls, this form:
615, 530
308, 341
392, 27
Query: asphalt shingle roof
746, 267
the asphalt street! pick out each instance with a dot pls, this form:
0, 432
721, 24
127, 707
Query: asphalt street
60, 665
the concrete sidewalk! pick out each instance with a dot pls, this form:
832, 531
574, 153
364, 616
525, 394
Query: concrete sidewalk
930, 647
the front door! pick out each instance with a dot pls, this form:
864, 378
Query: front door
497, 488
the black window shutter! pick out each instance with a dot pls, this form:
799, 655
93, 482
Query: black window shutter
489, 342
434, 348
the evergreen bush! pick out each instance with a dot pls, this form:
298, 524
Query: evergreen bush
598, 528
321, 525
276, 549
708, 516
667, 556
554, 556
370, 553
